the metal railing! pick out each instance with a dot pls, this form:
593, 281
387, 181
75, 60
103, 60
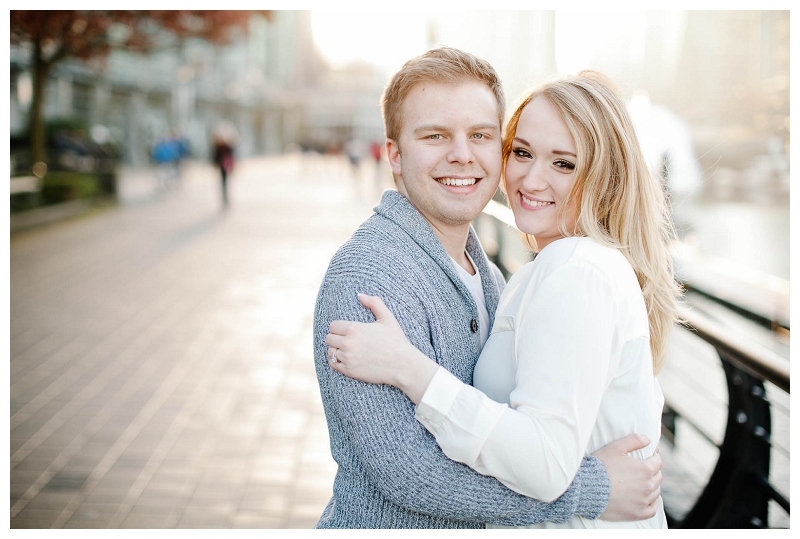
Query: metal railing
738, 493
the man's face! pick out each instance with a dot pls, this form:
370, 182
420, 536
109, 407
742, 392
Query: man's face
448, 160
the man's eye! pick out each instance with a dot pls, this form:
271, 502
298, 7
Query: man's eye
479, 136
435, 137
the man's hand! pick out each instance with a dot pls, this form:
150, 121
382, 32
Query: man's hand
635, 484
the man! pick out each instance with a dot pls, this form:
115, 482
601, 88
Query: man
443, 115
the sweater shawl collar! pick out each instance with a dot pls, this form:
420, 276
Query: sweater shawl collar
399, 210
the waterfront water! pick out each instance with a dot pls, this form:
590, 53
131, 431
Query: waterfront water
753, 235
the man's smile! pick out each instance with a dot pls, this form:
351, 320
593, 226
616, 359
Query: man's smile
458, 182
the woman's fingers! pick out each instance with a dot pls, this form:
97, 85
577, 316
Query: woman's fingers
357, 341
376, 305
333, 359
340, 327
334, 354
334, 341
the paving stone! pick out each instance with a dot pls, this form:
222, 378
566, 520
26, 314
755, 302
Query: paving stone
28, 524
145, 521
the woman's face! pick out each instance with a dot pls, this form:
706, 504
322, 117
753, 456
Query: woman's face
540, 171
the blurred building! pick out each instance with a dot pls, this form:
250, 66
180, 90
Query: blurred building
520, 45
725, 73
733, 88
270, 83
343, 106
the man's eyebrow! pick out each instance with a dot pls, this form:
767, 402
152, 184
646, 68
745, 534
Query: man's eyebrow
430, 127
480, 127
436, 127
557, 152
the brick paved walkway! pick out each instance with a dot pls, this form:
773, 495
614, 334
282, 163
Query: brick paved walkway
161, 371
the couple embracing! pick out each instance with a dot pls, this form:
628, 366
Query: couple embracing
455, 400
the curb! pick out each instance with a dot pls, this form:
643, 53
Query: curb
49, 214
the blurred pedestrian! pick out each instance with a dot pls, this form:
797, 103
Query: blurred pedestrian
167, 154
224, 149
375, 149
355, 150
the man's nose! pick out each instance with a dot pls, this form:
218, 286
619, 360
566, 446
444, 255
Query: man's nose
460, 151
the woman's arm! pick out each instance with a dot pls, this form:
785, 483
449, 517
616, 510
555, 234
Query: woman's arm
563, 342
401, 458
635, 484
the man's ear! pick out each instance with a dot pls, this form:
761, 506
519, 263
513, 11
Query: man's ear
393, 156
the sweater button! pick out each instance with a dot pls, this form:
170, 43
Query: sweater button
474, 326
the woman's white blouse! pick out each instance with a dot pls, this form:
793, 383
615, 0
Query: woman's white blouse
566, 370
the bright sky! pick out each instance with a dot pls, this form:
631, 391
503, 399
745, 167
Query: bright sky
389, 38
611, 41
385, 38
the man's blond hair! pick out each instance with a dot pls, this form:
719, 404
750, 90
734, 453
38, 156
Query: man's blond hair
444, 65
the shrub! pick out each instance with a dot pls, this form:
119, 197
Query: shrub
60, 186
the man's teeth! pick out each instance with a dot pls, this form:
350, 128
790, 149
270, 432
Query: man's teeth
530, 202
457, 181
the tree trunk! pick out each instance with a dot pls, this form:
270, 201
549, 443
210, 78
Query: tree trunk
41, 72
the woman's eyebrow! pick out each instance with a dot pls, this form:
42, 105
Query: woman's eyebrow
556, 152
564, 152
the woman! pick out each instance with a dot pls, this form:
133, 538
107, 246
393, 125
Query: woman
579, 333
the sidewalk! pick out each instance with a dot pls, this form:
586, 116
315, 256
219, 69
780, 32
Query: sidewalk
161, 371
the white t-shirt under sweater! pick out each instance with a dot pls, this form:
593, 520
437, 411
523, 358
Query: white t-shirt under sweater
566, 370
475, 287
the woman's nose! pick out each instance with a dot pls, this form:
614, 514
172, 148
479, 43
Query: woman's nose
535, 178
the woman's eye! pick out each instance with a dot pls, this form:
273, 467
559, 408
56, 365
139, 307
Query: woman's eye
521, 153
566, 165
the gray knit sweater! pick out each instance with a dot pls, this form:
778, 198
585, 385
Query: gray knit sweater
392, 473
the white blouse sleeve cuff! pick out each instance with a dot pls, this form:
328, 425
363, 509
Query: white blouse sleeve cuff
460, 417
437, 400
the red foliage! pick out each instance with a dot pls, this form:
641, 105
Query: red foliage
90, 34
56, 35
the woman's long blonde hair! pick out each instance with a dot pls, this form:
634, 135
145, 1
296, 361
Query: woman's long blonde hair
618, 202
